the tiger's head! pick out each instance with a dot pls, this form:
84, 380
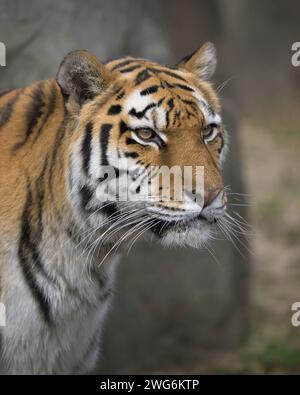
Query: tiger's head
133, 117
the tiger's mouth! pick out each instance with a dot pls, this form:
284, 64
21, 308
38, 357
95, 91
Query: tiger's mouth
186, 228
172, 227
183, 224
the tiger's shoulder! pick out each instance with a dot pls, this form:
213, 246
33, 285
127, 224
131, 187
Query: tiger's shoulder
30, 120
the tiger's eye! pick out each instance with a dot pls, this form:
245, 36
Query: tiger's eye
145, 134
207, 131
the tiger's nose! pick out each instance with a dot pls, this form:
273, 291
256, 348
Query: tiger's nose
211, 194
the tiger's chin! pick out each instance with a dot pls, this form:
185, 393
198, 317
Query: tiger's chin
195, 235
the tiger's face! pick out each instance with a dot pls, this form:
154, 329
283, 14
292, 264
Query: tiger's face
150, 144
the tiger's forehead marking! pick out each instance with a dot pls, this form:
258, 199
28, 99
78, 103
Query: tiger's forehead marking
145, 103
151, 111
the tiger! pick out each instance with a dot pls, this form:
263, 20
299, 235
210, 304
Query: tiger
59, 239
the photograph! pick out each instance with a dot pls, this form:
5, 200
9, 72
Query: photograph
149, 190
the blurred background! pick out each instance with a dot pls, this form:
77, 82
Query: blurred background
187, 311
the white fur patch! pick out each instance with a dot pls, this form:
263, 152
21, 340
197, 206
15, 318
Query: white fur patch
139, 103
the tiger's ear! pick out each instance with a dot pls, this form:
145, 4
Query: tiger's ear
81, 76
201, 62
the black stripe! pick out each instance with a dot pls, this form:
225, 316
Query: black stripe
102, 179
208, 108
167, 72
141, 114
123, 63
7, 109
129, 69
50, 111
104, 138
109, 209
166, 84
142, 76
133, 155
120, 95
149, 90
117, 172
177, 118
114, 109
30, 260
86, 148
171, 106
33, 113
86, 195
188, 114
185, 87
130, 141
160, 102
123, 127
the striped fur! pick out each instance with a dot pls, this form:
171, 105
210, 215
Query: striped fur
56, 272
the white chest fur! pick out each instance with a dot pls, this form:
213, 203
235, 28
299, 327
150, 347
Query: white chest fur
77, 296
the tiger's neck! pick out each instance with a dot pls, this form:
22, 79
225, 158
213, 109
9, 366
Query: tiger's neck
42, 240
42, 168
